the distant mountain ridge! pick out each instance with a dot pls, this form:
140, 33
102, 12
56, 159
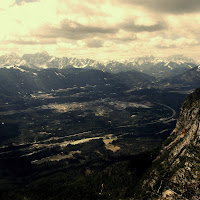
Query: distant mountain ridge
157, 67
189, 78
23, 80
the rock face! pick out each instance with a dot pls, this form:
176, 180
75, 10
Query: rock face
175, 173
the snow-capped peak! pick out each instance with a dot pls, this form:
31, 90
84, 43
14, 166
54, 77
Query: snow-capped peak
151, 65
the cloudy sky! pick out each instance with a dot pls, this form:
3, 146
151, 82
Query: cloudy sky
101, 29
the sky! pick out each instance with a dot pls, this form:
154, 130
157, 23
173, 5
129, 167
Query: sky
101, 29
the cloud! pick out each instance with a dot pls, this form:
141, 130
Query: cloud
132, 27
95, 43
74, 30
31, 42
125, 39
6, 4
115, 28
182, 42
21, 2
168, 6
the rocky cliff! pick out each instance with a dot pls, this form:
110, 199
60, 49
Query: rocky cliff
175, 173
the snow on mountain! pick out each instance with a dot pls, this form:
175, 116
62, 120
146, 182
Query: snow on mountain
158, 67
154, 66
20, 68
11, 59
37, 59
65, 62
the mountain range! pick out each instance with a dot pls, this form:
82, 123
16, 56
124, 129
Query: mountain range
157, 67
46, 99
15, 80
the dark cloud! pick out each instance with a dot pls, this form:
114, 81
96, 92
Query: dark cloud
126, 39
95, 44
132, 27
21, 2
169, 6
74, 30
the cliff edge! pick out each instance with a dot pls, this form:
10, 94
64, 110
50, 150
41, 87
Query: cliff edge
175, 173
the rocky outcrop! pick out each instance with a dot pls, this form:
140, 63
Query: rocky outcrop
176, 171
